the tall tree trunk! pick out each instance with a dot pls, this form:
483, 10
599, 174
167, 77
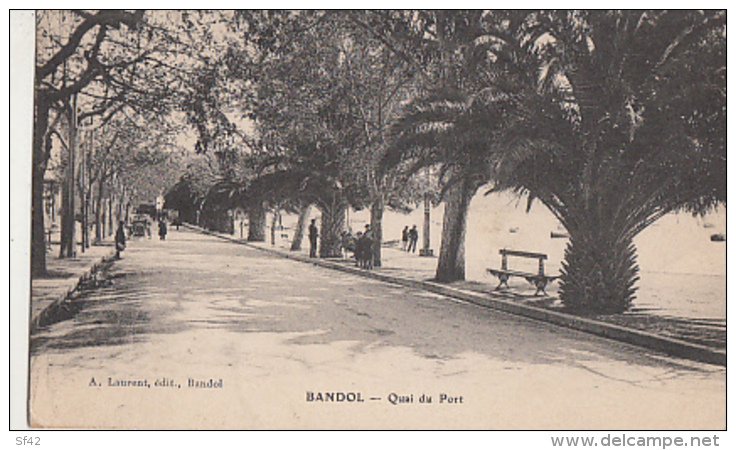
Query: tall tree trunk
451, 263
333, 224
68, 219
296, 241
274, 223
38, 236
110, 223
256, 224
39, 162
85, 219
84, 194
99, 210
68, 225
426, 241
377, 209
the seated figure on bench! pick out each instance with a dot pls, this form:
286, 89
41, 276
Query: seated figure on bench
539, 279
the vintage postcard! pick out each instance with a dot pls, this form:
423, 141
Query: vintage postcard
377, 220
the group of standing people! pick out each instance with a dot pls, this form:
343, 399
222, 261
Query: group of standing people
409, 238
362, 245
120, 237
365, 248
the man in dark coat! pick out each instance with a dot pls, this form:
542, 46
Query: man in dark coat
120, 239
162, 229
413, 237
313, 235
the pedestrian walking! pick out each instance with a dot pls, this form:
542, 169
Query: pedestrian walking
405, 238
120, 239
162, 229
313, 236
413, 238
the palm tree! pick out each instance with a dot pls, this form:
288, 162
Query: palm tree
440, 130
633, 130
621, 122
449, 122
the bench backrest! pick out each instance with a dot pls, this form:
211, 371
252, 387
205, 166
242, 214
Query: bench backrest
506, 252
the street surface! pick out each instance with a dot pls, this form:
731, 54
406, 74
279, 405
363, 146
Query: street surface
197, 332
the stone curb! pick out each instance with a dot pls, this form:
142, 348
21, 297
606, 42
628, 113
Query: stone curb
68, 293
670, 346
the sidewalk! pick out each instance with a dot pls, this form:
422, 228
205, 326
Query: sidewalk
64, 277
680, 337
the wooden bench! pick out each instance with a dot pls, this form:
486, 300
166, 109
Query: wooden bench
539, 279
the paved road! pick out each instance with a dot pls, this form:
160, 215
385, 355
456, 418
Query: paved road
270, 332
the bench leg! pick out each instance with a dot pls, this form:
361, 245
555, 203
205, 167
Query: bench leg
540, 284
503, 280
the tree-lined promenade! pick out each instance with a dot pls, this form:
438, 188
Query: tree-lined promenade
610, 119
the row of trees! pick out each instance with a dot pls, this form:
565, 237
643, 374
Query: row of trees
611, 119
106, 88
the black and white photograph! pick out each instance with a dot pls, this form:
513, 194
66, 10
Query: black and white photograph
372, 219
